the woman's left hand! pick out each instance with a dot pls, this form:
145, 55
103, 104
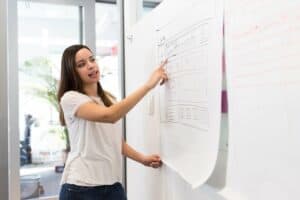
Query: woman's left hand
152, 161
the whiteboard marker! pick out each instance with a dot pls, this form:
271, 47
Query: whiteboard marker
170, 56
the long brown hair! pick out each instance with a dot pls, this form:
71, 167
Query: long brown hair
70, 79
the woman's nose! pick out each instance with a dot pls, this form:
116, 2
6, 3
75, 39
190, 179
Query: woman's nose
90, 65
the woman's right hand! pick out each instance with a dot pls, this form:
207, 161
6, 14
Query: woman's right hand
153, 161
159, 74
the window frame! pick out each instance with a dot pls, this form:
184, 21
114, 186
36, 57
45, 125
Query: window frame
4, 130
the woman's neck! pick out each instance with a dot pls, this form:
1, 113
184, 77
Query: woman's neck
91, 90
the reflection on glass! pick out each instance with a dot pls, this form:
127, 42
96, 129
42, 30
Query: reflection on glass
45, 30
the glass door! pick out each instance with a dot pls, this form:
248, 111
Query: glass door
45, 29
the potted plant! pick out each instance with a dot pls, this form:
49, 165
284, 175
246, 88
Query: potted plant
41, 70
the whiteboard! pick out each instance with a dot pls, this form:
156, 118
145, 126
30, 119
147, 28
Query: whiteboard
187, 108
142, 131
263, 76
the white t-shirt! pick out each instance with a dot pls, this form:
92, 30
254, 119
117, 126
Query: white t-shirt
96, 148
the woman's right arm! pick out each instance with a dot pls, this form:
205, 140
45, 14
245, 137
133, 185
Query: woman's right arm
95, 112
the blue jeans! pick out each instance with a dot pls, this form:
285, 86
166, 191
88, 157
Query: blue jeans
103, 192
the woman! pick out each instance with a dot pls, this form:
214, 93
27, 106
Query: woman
94, 166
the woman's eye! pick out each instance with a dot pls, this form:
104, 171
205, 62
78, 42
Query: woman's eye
92, 59
80, 65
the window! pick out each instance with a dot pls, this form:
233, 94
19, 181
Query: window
107, 45
45, 30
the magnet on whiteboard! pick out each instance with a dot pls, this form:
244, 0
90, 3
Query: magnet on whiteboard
130, 38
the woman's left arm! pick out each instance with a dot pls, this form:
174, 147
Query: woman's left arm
147, 160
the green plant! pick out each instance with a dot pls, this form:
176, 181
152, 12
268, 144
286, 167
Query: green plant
44, 85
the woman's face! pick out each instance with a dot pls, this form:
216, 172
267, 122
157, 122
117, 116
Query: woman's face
86, 66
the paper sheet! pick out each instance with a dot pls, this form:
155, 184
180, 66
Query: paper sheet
190, 102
